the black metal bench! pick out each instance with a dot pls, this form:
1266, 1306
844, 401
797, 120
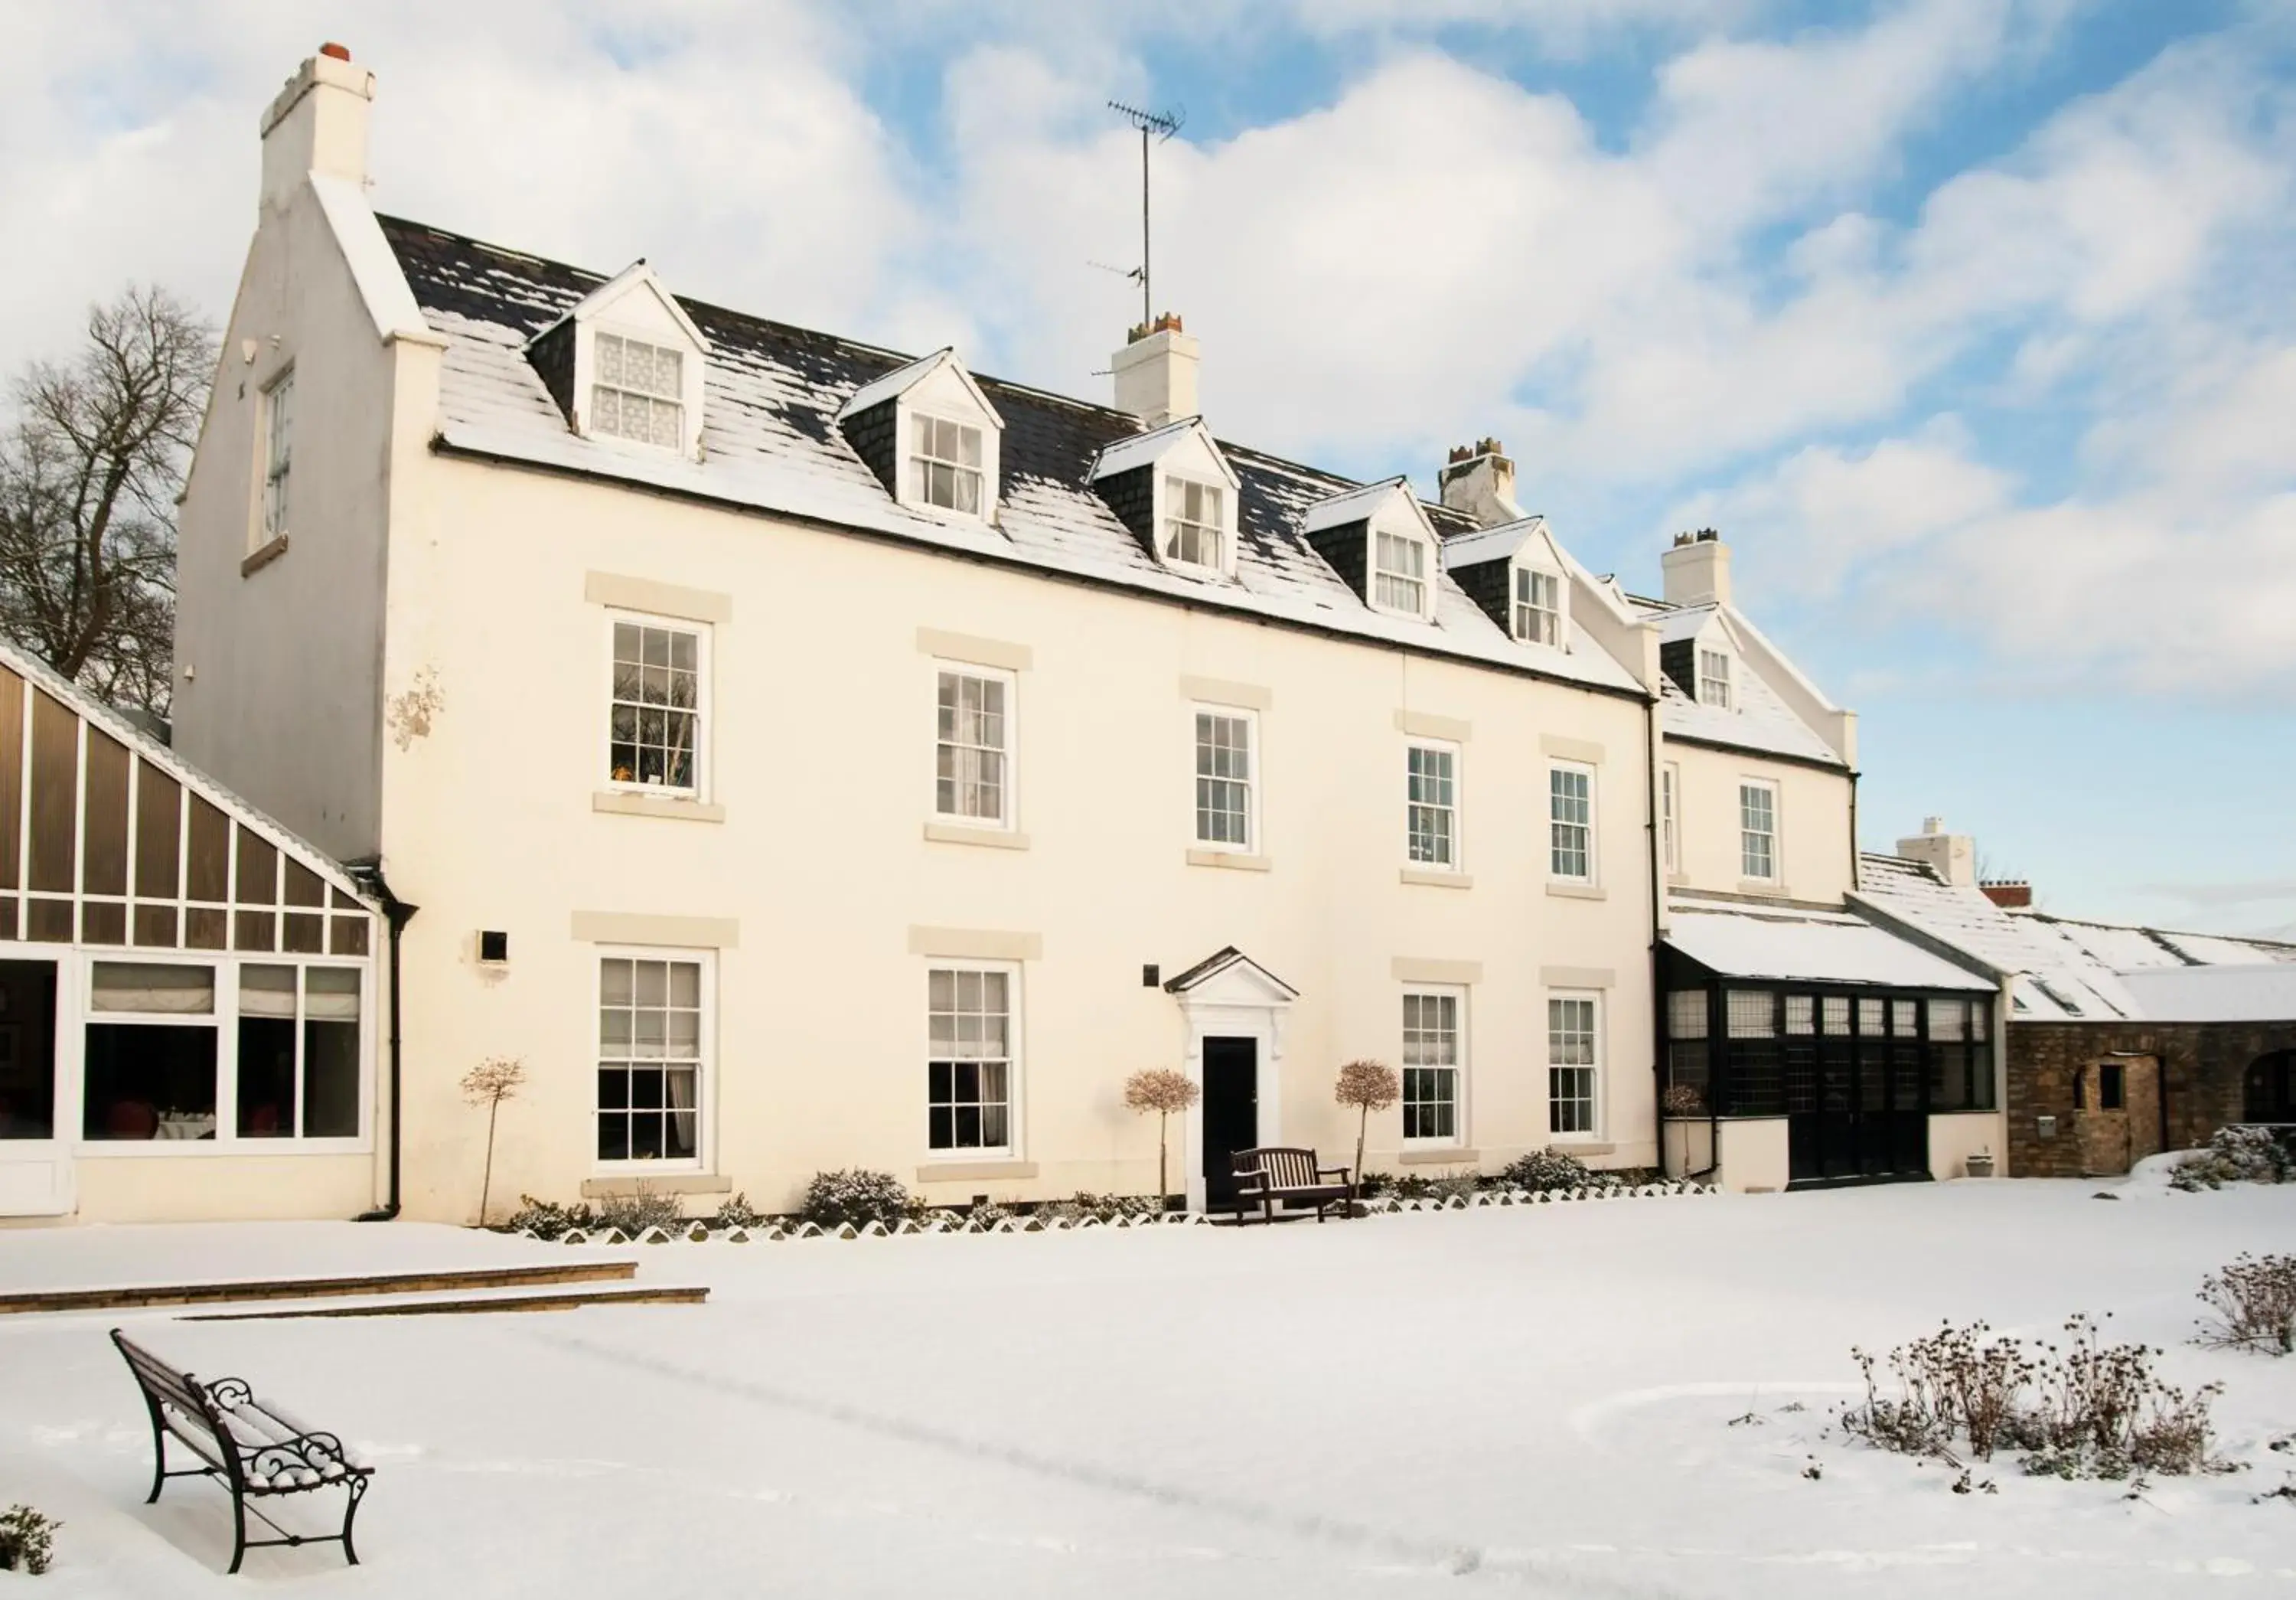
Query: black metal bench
250, 1447
1280, 1173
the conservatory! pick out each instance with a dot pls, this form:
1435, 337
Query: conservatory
187, 991
1816, 1048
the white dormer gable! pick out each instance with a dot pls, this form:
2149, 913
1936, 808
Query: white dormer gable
1191, 503
944, 450
637, 364
1400, 560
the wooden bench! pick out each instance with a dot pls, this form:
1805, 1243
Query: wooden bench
250, 1447
1279, 1173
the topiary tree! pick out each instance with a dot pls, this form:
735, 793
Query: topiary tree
492, 1082
1163, 1091
1368, 1085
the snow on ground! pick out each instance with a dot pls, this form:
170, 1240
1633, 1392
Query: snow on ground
209, 1252
1533, 1402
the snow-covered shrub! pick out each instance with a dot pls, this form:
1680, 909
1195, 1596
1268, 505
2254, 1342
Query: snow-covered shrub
641, 1209
2253, 1304
736, 1211
1108, 1207
2089, 1410
857, 1196
1552, 1169
983, 1215
1454, 1185
548, 1219
27, 1540
2234, 1155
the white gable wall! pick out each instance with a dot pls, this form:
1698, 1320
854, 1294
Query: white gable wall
279, 681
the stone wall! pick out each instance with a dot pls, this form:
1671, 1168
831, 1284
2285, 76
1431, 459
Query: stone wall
2201, 1066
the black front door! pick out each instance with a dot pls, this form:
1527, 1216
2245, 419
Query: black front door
1231, 1113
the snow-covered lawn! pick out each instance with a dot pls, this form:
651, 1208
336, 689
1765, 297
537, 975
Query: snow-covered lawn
1533, 1401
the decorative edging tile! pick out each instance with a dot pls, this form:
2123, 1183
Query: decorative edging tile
776, 1232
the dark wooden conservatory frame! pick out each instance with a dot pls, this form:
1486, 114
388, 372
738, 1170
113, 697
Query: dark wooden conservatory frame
1829, 1145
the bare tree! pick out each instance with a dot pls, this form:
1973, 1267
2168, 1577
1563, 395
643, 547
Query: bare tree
1163, 1091
493, 1080
90, 465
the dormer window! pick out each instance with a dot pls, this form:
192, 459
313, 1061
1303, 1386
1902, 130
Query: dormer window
928, 434
1537, 607
945, 464
1174, 492
626, 364
1714, 679
1377, 541
1193, 523
638, 390
1399, 575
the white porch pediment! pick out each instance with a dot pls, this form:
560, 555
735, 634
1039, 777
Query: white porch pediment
1230, 978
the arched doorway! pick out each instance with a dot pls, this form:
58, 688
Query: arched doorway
2268, 1094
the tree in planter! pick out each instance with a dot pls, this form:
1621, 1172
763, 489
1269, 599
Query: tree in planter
1163, 1091
1368, 1085
492, 1082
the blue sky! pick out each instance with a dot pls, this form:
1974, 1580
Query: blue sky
1972, 324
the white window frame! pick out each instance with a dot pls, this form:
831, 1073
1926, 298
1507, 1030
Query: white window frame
914, 456
1173, 500
1008, 817
1453, 758
705, 1070
1669, 801
1424, 580
1457, 993
73, 1019
1716, 676
278, 438
678, 402
1746, 834
1251, 781
1590, 827
1533, 623
1595, 1069
704, 710
1014, 1010
301, 964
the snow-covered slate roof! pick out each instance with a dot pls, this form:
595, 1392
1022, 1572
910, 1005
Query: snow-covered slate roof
771, 443
1761, 719
2072, 971
1813, 948
2261, 992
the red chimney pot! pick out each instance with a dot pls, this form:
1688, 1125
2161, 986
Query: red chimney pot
341, 52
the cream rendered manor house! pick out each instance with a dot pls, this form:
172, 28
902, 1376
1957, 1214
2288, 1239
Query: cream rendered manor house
804, 756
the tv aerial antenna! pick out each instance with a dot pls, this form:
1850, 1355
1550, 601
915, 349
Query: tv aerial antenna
1155, 128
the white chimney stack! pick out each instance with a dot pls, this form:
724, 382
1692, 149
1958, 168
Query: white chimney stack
1697, 570
1952, 857
318, 125
1156, 372
1479, 480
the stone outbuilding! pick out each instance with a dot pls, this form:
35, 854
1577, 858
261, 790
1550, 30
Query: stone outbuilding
2122, 1041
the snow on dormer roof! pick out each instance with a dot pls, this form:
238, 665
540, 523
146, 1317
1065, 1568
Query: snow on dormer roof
1361, 505
1142, 449
898, 382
